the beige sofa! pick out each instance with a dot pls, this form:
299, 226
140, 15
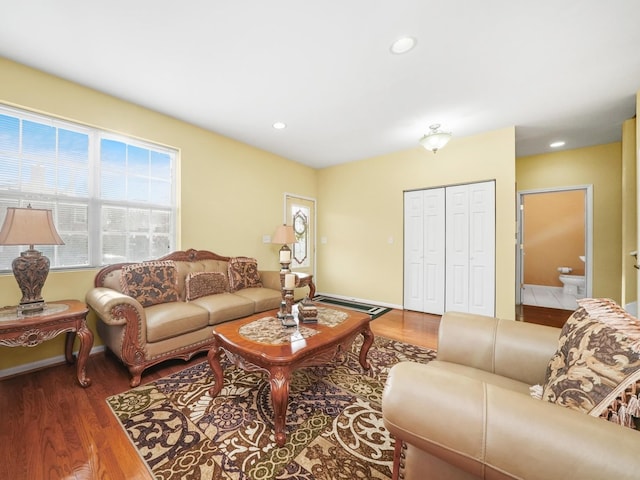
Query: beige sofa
150, 312
470, 414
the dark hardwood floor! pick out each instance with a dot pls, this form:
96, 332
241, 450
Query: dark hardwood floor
51, 428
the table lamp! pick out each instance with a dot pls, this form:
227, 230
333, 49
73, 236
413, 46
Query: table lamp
30, 226
284, 235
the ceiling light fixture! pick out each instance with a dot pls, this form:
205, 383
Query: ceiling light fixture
435, 139
403, 45
557, 144
279, 125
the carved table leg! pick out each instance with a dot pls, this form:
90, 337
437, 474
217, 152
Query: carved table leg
68, 347
86, 342
366, 345
312, 289
213, 357
279, 382
398, 456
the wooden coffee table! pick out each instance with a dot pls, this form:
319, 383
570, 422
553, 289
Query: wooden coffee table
260, 342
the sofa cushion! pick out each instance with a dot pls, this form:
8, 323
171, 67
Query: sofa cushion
150, 283
263, 298
482, 375
201, 284
173, 320
243, 273
225, 306
597, 363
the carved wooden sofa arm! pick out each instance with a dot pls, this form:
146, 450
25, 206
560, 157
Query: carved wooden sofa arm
123, 327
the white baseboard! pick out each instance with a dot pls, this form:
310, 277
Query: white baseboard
40, 364
362, 300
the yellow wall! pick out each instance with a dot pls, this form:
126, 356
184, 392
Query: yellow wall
601, 166
231, 194
629, 213
362, 210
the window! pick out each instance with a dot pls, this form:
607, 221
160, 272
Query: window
112, 197
300, 215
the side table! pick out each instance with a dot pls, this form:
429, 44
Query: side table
65, 316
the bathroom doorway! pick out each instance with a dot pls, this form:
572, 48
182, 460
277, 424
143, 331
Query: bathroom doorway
554, 238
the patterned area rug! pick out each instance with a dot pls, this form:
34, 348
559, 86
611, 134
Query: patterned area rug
334, 421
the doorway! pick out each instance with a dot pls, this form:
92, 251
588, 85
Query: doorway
301, 213
555, 238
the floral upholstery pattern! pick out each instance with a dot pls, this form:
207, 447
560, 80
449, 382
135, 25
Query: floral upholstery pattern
151, 283
243, 273
596, 368
201, 284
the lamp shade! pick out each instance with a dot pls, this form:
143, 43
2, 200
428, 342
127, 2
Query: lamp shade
435, 140
29, 226
284, 234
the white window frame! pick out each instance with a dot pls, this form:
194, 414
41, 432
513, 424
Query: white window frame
94, 201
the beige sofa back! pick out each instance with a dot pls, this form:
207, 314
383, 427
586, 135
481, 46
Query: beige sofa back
193, 261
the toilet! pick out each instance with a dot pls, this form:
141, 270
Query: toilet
572, 284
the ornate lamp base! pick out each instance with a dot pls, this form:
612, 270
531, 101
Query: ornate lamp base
31, 269
34, 307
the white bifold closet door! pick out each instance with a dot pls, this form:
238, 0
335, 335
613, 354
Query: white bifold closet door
450, 249
424, 224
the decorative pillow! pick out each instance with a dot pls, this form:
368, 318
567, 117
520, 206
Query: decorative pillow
201, 284
597, 365
243, 273
151, 283
625, 409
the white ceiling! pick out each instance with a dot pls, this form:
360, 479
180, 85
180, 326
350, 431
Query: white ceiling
565, 69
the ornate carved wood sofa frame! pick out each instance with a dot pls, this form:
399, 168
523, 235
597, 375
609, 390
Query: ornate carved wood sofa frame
142, 334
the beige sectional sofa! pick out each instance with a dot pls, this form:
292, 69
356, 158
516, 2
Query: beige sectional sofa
152, 311
471, 414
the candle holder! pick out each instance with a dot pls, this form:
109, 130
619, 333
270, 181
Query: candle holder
285, 259
288, 320
288, 300
284, 235
288, 281
285, 267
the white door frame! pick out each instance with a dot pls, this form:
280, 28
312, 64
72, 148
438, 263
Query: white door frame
285, 219
588, 235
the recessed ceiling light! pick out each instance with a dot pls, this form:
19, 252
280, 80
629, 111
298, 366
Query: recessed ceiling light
403, 45
557, 144
279, 125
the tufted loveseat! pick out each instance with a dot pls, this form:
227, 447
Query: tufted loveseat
152, 311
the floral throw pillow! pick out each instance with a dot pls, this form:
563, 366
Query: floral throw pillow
596, 368
201, 284
151, 283
243, 273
